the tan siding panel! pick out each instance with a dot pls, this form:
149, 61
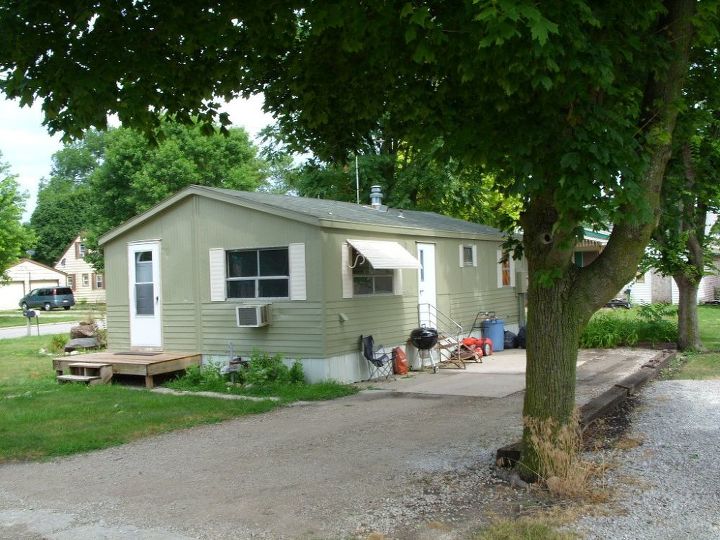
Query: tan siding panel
388, 319
295, 330
118, 327
464, 308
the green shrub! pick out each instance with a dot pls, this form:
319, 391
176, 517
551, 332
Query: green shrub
57, 343
204, 377
262, 375
297, 375
101, 335
606, 330
609, 329
265, 369
656, 312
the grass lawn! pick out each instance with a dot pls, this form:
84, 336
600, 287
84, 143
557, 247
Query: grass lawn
707, 365
528, 528
709, 317
42, 419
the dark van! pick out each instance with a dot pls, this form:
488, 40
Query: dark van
48, 298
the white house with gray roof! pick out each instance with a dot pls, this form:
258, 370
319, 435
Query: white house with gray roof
213, 271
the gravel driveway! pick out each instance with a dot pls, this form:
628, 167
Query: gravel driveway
414, 464
322, 470
669, 486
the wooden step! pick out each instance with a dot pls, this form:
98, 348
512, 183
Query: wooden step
91, 369
92, 365
88, 379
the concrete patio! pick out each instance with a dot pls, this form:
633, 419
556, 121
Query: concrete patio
503, 374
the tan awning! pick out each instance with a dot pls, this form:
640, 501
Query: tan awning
383, 254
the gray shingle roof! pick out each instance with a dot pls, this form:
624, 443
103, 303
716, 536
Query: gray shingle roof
353, 213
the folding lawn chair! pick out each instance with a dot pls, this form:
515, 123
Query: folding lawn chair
381, 365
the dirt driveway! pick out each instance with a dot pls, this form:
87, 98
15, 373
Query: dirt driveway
416, 464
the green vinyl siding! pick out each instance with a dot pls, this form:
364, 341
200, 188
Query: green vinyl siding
464, 307
296, 330
179, 327
118, 326
389, 319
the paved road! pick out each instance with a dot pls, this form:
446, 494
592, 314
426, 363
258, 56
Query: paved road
394, 459
44, 329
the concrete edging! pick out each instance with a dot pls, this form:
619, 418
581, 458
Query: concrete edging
602, 405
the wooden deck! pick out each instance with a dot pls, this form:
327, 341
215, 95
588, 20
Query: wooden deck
144, 364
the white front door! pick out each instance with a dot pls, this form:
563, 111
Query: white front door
426, 285
145, 302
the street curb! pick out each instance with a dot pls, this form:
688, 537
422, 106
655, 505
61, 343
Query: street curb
602, 405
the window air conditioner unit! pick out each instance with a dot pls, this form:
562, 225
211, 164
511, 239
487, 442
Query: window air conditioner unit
252, 316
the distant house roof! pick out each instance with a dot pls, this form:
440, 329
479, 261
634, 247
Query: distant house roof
321, 212
596, 235
21, 268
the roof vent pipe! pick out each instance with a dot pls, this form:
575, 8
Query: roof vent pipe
375, 197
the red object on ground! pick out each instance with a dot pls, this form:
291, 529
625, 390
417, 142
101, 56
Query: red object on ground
482, 345
487, 346
400, 362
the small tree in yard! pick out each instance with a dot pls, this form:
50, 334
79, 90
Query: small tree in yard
572, 105
682, 246
13, 235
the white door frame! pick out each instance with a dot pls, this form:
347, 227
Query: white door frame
145, 327
427, 285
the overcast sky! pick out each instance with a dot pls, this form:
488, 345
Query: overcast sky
28, 148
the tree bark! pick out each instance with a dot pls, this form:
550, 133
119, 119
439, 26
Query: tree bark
688, 327
692, 224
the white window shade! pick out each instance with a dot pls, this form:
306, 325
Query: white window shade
382, 254
298, 285
217, 274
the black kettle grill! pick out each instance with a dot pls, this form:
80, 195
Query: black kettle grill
424, 338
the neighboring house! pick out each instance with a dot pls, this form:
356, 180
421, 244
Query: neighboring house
24, 276
588, 249
648, 287
86, 284
201, 269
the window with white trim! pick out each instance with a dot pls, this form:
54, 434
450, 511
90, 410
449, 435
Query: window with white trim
369, 280
86, 280
257, 273
505, 272
99, 281
468, 255
506, 269
82, 250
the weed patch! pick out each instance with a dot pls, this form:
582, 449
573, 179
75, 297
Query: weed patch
563, 471
264, 375
527, 528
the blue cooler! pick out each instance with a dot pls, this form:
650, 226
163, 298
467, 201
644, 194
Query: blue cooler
495, 330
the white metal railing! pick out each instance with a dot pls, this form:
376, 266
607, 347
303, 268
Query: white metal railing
450, 332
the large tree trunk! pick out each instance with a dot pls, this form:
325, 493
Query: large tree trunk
562, 297
554, 323
688, 328
553, 329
